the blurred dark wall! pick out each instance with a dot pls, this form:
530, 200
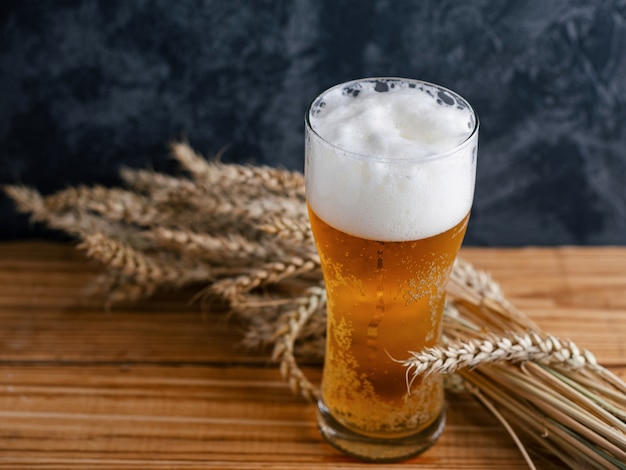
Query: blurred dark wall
87, 86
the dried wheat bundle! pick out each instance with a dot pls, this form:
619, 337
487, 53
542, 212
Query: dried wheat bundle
241, 234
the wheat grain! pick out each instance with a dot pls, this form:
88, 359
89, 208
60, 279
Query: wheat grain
270, 273
224, 249
254, 179
295, 229
151, 182
159, 269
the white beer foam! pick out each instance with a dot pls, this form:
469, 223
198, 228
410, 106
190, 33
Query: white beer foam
407, 192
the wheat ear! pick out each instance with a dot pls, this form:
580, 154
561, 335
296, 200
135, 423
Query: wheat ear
292, 323
514, 348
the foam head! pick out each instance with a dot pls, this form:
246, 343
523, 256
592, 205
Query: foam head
391, 159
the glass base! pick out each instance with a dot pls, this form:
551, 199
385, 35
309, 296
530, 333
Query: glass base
376, 449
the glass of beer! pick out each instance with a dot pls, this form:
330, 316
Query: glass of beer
390, 171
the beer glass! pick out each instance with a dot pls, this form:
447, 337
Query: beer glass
390, 170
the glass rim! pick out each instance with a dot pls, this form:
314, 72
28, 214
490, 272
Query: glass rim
387, 158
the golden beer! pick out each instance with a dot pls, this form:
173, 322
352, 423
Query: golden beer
385, 298
390, 168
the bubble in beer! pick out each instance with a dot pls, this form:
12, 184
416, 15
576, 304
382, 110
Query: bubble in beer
446, 98
381, 87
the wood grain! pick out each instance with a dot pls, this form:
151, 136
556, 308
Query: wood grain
164, 385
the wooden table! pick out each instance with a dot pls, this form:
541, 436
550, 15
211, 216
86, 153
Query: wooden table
163, 385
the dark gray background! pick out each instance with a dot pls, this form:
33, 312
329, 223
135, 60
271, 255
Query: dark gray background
88, 86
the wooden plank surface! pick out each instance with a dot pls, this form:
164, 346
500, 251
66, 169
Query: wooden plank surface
164, 385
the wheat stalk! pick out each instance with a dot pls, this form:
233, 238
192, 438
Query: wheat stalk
533, 346
241, 233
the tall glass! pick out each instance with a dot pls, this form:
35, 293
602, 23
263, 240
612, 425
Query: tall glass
390, 170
